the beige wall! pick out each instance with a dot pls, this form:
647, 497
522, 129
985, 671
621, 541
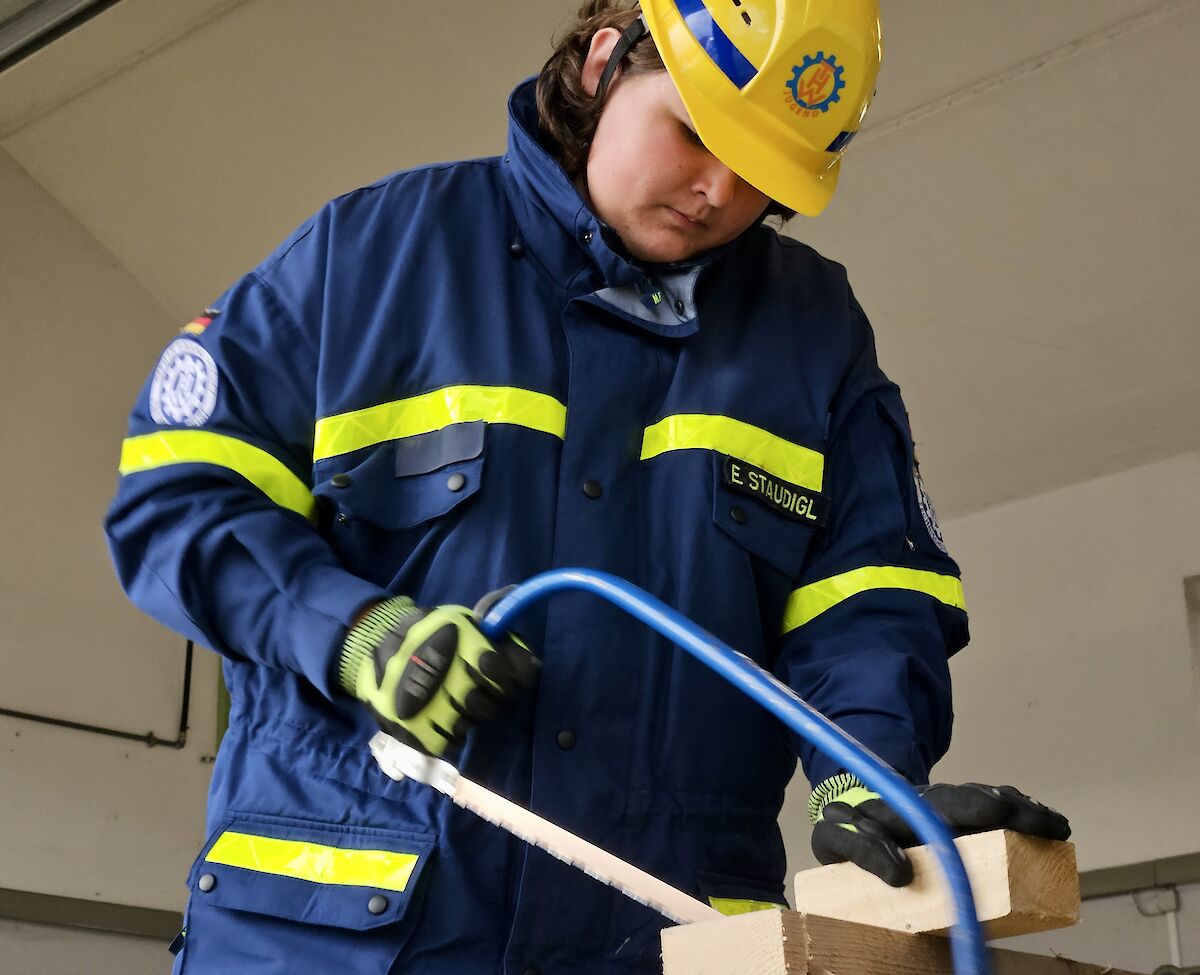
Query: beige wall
1082, 683
80, 815
41, 949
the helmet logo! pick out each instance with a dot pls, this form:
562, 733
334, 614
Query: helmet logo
816, 84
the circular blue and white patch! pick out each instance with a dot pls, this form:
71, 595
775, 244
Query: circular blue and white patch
928, 515
184, 389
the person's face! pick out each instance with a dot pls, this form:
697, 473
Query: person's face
648, 175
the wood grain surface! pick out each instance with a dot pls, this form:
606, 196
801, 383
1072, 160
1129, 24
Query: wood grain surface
1021, 885
790, 943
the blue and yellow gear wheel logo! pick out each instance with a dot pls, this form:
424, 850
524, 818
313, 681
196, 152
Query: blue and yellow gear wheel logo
817, 83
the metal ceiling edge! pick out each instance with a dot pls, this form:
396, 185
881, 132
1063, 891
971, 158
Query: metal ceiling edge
109, 41
42, 22
1112, 881
76, 912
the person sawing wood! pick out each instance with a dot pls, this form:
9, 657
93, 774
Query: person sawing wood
590, 350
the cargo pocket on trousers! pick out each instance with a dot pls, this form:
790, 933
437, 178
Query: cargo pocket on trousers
270, 894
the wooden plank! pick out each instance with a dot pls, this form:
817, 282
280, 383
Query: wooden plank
1021, 885
790, 943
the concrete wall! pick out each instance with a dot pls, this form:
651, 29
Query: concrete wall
80, 815
41, 949
1112, 931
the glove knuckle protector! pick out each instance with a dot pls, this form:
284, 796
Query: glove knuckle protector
425, 673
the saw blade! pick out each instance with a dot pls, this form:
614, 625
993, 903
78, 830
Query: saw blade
401, 761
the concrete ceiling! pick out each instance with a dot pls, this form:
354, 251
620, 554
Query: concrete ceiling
1020, 217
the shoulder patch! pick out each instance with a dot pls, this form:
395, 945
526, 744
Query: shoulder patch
198, 324
184, 388
928, 515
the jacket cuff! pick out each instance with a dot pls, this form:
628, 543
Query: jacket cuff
891, 741
333, 600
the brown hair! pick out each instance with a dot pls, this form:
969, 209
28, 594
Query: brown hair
567, 114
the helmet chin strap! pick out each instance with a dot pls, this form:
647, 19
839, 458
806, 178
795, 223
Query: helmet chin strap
629, 37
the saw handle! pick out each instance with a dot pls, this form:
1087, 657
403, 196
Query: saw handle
966, 937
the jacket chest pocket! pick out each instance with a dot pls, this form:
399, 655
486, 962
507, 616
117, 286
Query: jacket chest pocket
377, 512
772, 519
407, 482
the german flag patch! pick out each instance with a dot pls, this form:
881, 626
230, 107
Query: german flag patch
198, 324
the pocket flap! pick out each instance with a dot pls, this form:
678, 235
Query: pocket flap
427, 452
337, 876
403, 484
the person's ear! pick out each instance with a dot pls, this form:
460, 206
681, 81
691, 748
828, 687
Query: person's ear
603, 42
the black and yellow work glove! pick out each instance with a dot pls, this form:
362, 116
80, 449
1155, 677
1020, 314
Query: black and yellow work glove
853, 823
428, 674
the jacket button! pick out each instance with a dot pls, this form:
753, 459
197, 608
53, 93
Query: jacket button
566, 740
585, 237
592, 489
516, 249
679, 306
456, 482
377, 904
343, 519
341, 480
738, 514
206, 882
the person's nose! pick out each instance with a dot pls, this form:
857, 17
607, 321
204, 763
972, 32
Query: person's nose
717, 183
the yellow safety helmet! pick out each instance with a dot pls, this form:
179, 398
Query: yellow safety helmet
775, 88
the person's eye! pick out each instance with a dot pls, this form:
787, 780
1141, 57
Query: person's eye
690, 135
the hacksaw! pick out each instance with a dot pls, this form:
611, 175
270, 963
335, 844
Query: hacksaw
400, 761
967, 943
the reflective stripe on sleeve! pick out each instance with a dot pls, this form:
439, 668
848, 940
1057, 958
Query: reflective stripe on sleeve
270, 475
345, 432
725, 435
314, 862
809, 602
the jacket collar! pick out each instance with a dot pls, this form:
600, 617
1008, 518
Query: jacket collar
554, 222
579, 251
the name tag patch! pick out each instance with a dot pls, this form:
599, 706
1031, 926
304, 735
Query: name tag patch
791, 500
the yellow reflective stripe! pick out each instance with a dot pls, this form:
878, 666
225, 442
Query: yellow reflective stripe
314, 862
725, 435
345, 432
734, 905
811, 601
265, 472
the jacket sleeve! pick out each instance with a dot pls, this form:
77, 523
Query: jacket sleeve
212, 530
878, 609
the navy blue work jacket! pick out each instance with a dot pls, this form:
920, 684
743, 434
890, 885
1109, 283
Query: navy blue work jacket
450, 381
